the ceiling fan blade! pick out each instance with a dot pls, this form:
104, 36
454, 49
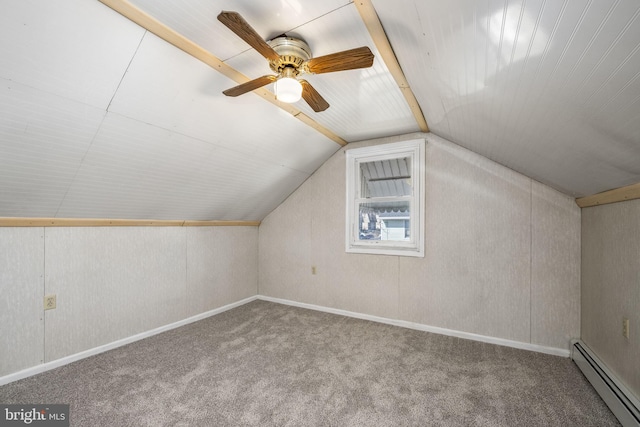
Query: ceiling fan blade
238, 25
352, 59
313, 98
250, 85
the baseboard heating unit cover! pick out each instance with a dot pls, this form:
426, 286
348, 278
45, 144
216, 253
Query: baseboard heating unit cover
619, 399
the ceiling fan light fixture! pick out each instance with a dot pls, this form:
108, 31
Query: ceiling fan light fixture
288, 89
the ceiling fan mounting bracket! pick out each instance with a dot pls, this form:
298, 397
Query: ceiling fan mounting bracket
292, 53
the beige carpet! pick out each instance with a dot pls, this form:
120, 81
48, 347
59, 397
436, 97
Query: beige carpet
267, 364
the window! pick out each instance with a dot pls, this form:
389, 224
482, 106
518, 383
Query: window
385, 199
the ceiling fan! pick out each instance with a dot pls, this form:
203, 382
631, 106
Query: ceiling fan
289, 57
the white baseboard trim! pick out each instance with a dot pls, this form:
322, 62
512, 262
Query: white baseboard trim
115, 344
421, 327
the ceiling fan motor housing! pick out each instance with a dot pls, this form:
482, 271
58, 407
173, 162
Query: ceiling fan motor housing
293, 52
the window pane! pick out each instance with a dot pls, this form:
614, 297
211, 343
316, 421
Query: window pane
384, 221
385, 199
386, 178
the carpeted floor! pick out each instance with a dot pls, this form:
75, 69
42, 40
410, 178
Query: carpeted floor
269, 364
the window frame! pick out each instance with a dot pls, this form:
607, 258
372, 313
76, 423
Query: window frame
415, 149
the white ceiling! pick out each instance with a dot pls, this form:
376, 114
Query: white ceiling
548, 88
101, 119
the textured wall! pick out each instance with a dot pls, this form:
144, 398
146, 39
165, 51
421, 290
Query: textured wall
113, 282
555, 267
502, 252
611, 287
21, 300
224, 256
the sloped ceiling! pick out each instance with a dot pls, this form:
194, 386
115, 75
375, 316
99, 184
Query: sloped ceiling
100, 118
549, 88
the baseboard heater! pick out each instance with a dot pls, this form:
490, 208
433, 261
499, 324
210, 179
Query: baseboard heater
619, 399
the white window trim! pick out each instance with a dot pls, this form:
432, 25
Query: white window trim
415, 247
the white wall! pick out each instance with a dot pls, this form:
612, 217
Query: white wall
21, 298
502, 255
611, 287
112, 283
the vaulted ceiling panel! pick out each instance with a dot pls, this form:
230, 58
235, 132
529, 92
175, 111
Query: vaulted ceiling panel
136, 170
76, 49
126, 173
539, 86
167, 88
43, 139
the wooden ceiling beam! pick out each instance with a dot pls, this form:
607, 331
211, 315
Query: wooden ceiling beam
630, 192
98, 222
374, 26
149, 23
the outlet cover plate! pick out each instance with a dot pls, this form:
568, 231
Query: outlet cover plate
49, 302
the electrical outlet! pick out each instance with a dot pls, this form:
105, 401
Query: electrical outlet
313, 269
625, 327
49, 302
